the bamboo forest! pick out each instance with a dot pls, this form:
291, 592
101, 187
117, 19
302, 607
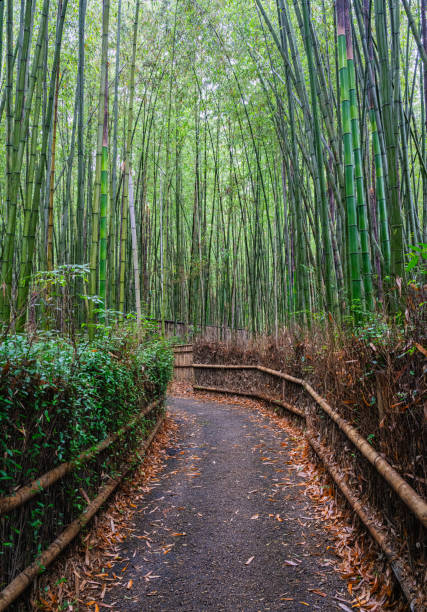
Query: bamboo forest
213, 164
213, 240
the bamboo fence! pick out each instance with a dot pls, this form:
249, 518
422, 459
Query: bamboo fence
24, 494
414, 502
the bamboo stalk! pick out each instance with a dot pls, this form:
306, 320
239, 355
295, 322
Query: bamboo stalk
103, 204
362, 214
80, 135
94, 242
330, 276
49, 246
127, 167
135, 257
412, 25
26, 577
344, 52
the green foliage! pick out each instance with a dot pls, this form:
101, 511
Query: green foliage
417, 264
373, 328
57, 399
158, 364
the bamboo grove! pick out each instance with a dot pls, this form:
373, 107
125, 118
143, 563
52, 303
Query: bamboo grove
239, 164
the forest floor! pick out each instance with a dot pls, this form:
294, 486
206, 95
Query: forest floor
226, 524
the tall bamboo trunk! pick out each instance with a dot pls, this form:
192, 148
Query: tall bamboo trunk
29, 242
127, 168
103, 226
80, 136
330, 278
135, 257
95, 216
49, 246
362, 212
344, 50
424, 126
388, 74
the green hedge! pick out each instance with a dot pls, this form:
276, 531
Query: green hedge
57, 399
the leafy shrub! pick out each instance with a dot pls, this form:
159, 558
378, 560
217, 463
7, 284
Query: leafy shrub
158, 364
57, 399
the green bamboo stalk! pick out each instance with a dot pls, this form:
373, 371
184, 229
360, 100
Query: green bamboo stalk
362, 213
103, 230
94, 246
6, 267
423, 78
28, 246
127, 168
135, 257
387, 73
301, 290
352, 229
49, 245
80, 135
330, 279
114, 196
374, 117
13, 132
1, 33
421, 48
30, 214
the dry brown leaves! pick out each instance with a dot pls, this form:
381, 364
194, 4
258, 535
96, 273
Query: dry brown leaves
80, 579
369, 578
180, 389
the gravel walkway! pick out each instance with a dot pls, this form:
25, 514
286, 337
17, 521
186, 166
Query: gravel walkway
227, 525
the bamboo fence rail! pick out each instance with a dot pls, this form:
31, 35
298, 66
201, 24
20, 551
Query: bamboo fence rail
29, 491
24, 579
400, 569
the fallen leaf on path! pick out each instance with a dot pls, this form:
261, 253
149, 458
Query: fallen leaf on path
175, 535
129, 584
249, 560
255, 516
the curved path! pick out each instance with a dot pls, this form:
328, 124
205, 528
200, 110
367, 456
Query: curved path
227, 526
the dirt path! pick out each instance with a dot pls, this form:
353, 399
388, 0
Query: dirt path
227, 526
